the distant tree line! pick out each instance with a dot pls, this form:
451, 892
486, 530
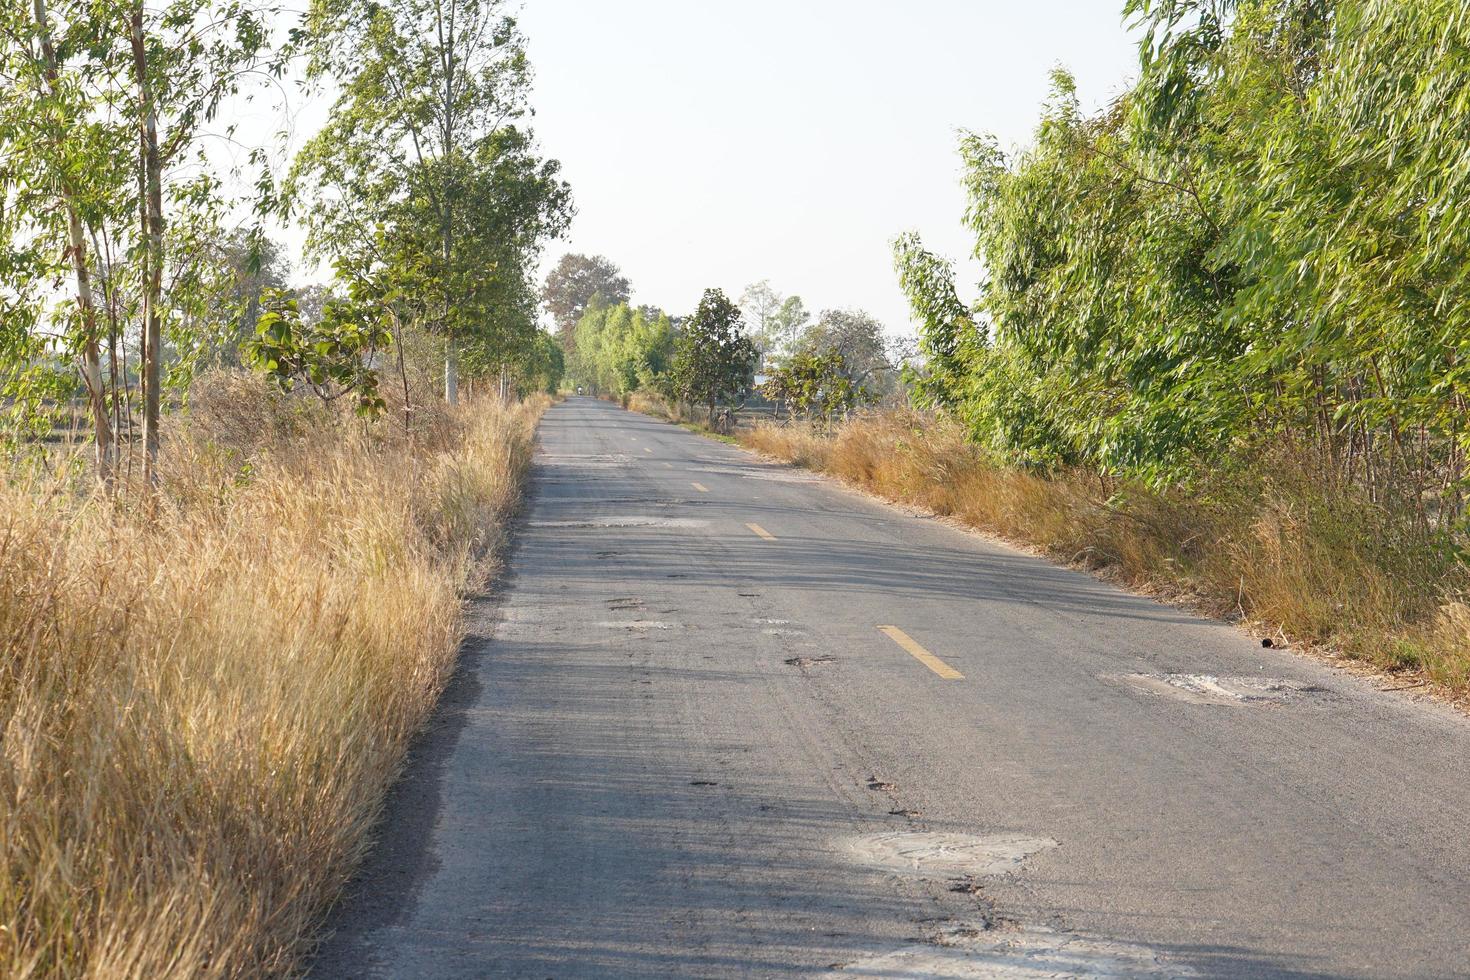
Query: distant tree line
723, 354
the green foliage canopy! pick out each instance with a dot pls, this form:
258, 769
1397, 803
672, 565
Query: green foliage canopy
714, 359
1266, 242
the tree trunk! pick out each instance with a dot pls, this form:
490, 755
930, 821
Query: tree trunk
152, 221
90, 356
451, 374
403, 374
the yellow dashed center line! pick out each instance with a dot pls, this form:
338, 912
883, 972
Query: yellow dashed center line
762, 532
920, 654
700, 487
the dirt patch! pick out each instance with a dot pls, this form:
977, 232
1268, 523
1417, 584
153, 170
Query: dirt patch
585, 461
945, 855
614, 522
776, 474
970, 952
1210, 689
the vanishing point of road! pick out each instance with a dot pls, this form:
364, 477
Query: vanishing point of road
726, 719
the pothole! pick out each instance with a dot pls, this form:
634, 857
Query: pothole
589, 522
821, 661
945, 854
966, 953
1210, 689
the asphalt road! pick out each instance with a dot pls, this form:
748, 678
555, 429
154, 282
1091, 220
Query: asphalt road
681, 743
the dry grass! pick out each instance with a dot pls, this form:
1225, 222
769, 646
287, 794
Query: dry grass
650, 403
201, 713
1266, 543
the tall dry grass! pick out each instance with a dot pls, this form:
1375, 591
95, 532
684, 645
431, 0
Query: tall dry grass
651, 403
1265, 540
202, 711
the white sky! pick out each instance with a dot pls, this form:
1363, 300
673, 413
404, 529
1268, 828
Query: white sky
719, 143
715, 144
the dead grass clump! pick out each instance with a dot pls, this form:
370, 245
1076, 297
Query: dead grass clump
201, 713
1267, 541
649, 403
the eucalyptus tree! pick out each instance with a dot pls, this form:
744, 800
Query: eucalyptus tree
104, 103
421, 167
621, 349
1259, 249
58, 170
186, 59
761, 305
787, 323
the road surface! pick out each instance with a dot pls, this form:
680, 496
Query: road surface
729, 719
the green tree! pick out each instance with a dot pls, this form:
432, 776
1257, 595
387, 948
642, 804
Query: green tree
422, 179
856, 340
1259, 248
788, 323
815, 382
103, 103
330, 356
620, 349
714, 360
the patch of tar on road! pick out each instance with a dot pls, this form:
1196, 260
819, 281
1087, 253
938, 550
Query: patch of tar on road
967, 953
820, 661
945, 855
637, 624
1209, 689
617, 522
